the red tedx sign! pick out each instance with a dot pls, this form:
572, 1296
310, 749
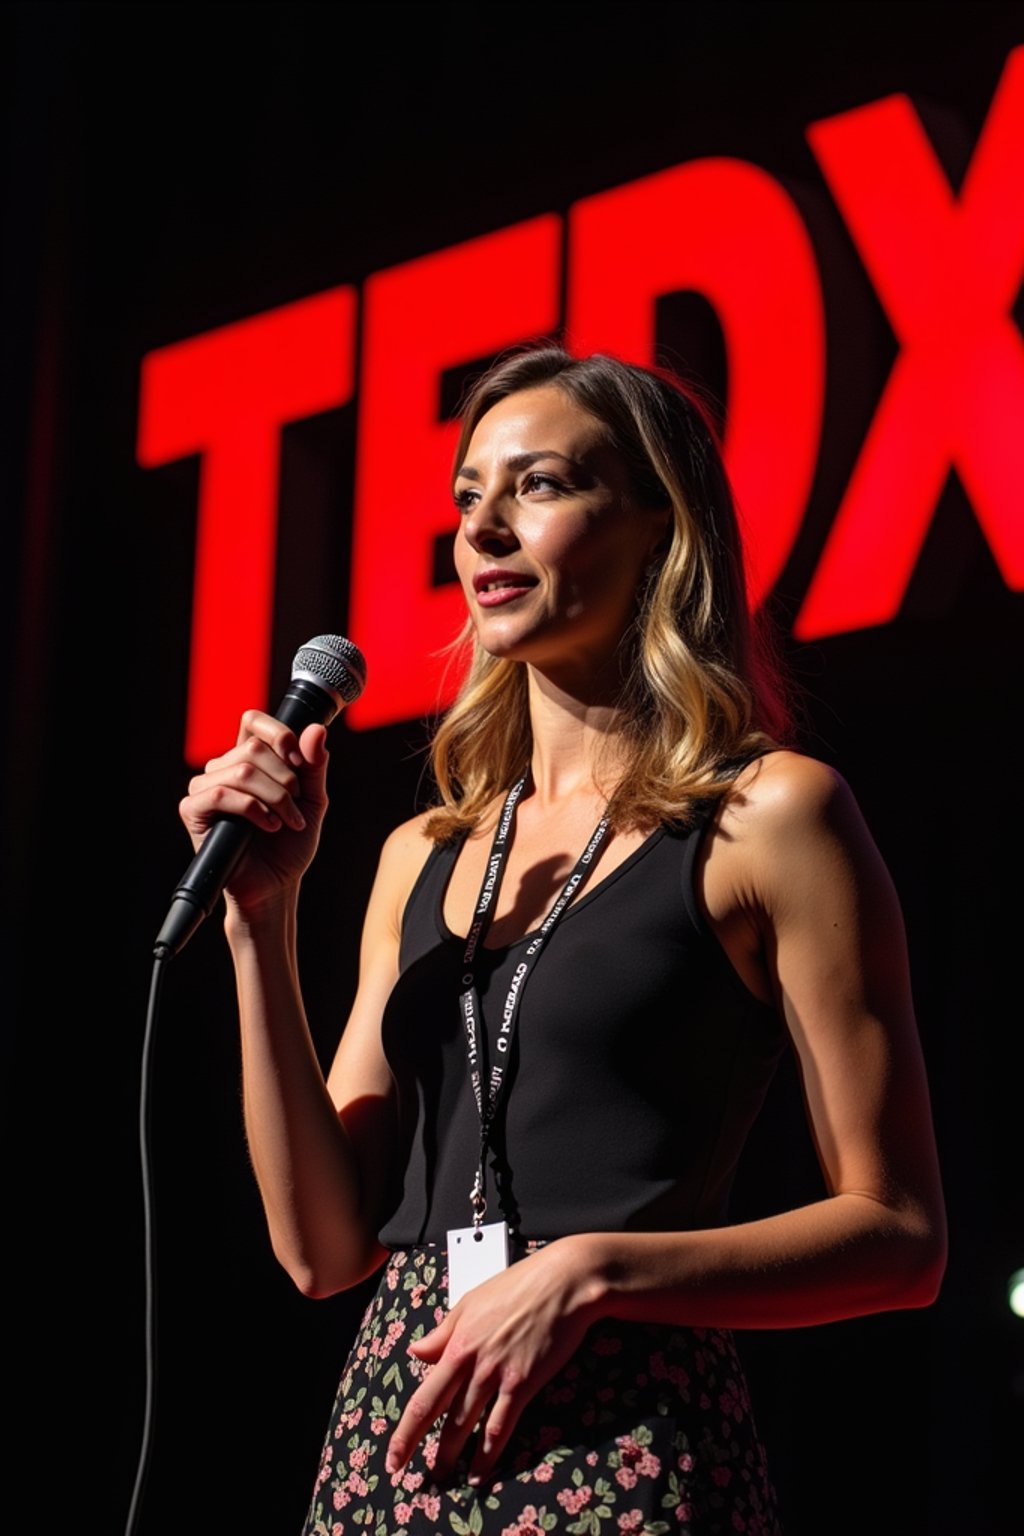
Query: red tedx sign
946, 267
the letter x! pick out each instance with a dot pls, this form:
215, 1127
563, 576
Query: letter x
948, 270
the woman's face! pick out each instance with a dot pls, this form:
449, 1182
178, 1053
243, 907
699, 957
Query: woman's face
551, 546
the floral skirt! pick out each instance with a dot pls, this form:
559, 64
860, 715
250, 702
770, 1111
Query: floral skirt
646, 1429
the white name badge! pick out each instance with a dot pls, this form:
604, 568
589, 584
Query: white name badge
474, 1255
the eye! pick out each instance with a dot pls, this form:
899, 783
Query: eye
466, 499
537, 480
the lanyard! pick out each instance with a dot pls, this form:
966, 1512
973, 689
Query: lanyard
487, 1100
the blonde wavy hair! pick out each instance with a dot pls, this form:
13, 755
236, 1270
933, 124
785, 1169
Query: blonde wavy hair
702, 687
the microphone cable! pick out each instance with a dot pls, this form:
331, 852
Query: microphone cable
149, 1344
328, 673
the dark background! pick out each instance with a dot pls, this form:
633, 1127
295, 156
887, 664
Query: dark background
171, 168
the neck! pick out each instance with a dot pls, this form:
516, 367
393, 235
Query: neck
575, 742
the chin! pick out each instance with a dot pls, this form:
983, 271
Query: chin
504, 642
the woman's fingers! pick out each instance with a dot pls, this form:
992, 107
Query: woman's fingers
503, 1341
465, 1413
447, 1388
200, 809
254, 780
273, 781
484, 1403
432, 1398
257, 723
431, 1346
251, 785
496, 1430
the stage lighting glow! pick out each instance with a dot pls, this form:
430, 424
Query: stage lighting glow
1015, 1293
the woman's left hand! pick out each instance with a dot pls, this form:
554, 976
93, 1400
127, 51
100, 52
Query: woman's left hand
491, 1354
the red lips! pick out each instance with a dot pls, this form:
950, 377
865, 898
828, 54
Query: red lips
497, 585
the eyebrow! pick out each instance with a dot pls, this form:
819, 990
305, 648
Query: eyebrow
518, 461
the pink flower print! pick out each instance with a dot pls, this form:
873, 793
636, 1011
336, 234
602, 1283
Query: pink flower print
722, 1476
544, 1472
430, 1450
648, 1465
378, 1426
573, 1500
439, 1315
607, 1344
591, 1458
359, 1456
337, 1529
357, 1484
561, 1394
729, 1402
626, 1477
375, 1344
411, 1481
341, 1498
628, 1448
416, 1295
390, 1339
403, 1513
686, 1462
430, 1505
392, 1279
632, 1520
684, 1512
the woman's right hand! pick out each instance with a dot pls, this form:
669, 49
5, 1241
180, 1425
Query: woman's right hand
277, 782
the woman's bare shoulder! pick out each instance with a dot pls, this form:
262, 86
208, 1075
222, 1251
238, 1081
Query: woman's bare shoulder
783, 807
791, 820
406, 848
784, 791
402, 857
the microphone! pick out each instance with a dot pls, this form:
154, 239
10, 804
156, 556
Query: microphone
328, 672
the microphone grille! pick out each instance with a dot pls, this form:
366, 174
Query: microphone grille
333, 661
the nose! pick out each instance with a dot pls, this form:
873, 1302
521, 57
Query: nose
487, 525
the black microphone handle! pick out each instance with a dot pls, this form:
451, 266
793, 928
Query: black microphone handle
202, 884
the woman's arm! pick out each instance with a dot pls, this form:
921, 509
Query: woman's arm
319, 1150
797, 867
796, 883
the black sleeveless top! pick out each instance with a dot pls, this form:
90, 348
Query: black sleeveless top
639, 1063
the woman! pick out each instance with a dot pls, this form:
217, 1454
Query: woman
577, 974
